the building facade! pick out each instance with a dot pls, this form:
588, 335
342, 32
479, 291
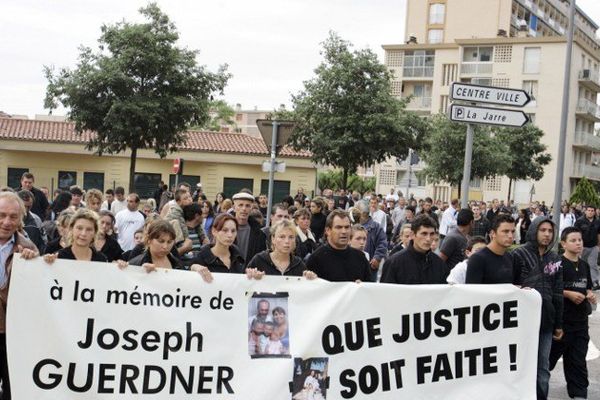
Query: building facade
222, 162
513, 44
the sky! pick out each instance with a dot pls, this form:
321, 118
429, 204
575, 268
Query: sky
271, 46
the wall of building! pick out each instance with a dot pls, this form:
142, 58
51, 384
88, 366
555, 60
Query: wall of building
44, 160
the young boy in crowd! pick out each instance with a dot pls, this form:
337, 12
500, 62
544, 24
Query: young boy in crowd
577, 305
458, 274
358, 238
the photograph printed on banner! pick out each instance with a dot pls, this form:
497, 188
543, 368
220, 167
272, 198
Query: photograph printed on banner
310, 379
268, 326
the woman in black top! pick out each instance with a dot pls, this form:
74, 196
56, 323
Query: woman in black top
106, 244
221, 255
158, 241
83, 229
280, 260
523, 222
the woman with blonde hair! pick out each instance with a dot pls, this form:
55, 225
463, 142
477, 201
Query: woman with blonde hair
93, 200
280, 259
83, 229
105, 243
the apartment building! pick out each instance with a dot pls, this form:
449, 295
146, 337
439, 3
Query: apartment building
504, 43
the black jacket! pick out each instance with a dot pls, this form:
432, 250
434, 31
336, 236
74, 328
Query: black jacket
146, 258
263, 262
40, 203
67, 254
410, 267
589, 230
317, 225
111, 249
206, 258
542, 273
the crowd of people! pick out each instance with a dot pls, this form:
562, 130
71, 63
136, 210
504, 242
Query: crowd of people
337, 236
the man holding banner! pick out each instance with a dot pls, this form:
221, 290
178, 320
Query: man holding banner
12, 211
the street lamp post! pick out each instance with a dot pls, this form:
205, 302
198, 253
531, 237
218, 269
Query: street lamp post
560, 162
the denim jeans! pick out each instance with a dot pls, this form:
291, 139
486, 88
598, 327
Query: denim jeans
543, 368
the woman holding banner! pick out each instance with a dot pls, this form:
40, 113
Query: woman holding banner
158, 242
280, 260
221, 255
83, 229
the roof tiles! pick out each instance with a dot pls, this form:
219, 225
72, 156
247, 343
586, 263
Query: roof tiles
64, 132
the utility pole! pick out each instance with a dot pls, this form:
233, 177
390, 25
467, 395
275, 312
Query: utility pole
560, 162
464, 189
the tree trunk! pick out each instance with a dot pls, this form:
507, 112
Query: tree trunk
509, 190
344, 178
132, 161
459, 189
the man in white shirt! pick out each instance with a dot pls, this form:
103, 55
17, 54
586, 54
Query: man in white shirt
128, 221
378, 216
449, 218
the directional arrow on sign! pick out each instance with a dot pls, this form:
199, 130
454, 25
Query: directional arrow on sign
489, 95
487, 115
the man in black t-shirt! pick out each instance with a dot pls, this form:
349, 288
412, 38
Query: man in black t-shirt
578, 298
336, 261
492, 264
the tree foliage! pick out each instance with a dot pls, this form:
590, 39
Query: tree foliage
527, 152
444, 152
138, 90
220, 114
333, 180
346, 115
585, 193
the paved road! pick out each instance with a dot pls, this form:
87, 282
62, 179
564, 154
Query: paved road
558, 387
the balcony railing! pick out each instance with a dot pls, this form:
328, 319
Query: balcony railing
417, 72
587, 140
476, 68
585, 106
589, 171
590, 78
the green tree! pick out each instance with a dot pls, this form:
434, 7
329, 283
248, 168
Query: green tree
444, 152
330, 180
138, 90
221, 114
346, 115
527, 153
585, 193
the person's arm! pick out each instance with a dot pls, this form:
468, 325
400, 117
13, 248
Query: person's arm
475, 270
185, 247
448, 247
389, 271
381, 249
557, 301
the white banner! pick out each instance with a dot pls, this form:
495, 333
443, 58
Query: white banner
80, 330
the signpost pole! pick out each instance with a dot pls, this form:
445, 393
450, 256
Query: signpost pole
272, 170
464, 191
560, 161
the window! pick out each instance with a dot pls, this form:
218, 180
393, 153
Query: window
93, 180
145, 184
436, 13
14, 177
435, 36
478, 54
531, 87
475, 183
281, 189
191, 179
421, 179
418, 63
232, 186
531, 60
66, 179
